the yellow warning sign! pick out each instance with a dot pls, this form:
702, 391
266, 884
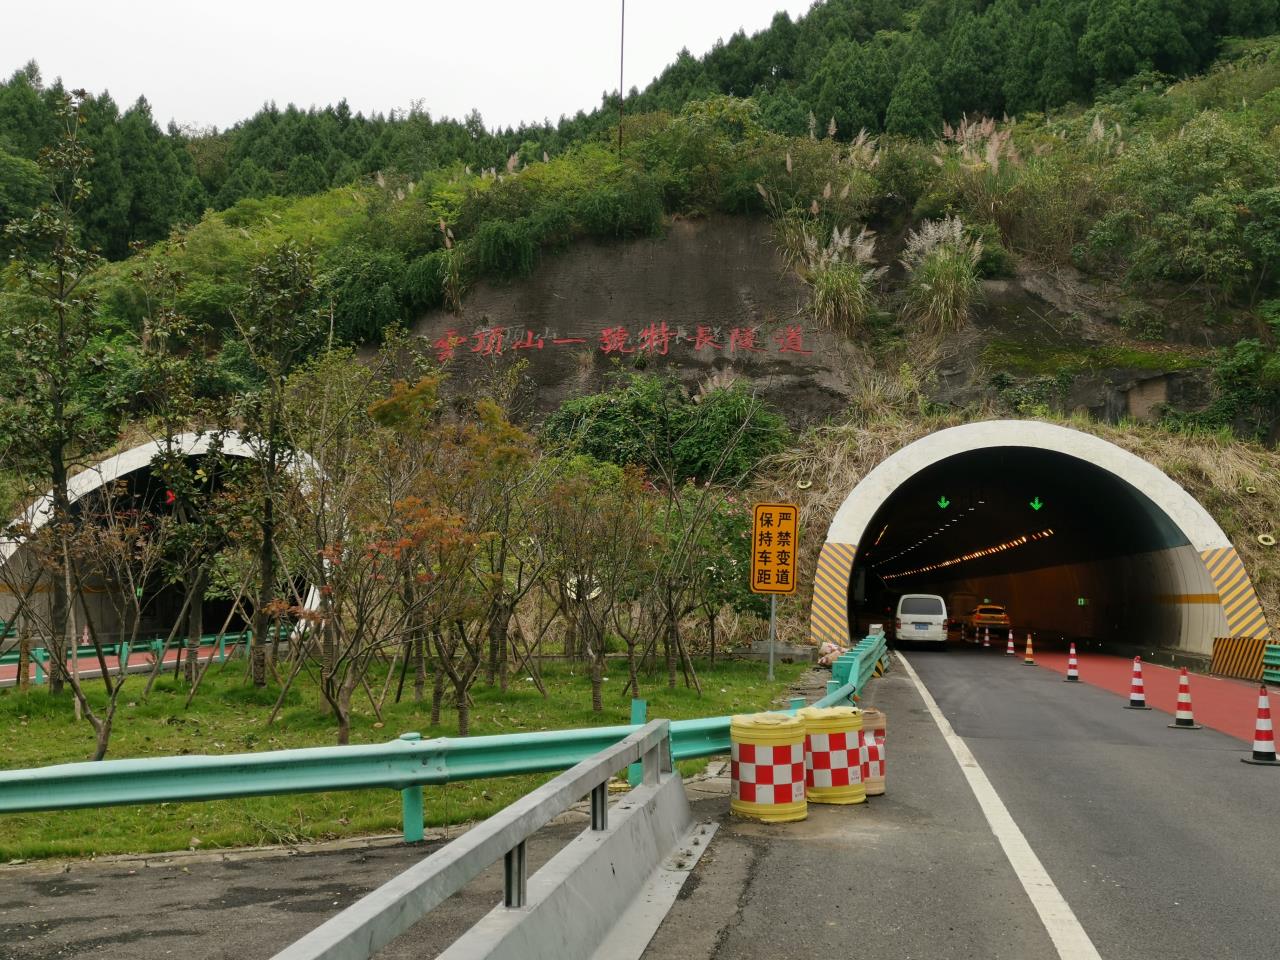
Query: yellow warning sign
774, 545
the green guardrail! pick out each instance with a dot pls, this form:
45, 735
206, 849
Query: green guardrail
125, 650
1271, 663
852, 670
405, 764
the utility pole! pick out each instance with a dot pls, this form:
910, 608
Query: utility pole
622, 47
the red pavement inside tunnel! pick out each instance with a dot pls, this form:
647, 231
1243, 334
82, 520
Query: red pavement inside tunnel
1222, 704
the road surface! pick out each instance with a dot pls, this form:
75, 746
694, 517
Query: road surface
1160, 841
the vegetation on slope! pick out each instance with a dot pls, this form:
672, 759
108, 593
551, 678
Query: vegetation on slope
897, 66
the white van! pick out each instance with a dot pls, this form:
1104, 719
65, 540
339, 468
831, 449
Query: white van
922, 617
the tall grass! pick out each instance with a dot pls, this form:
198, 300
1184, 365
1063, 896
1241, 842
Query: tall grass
943, 284
842, 275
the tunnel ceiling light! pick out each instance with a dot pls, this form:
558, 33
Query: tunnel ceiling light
881, 537
974, 555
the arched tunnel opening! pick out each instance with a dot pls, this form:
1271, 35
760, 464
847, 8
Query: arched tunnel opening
123, 575
1070, 549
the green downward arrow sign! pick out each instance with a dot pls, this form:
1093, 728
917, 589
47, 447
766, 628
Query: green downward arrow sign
1036, 504
943, 502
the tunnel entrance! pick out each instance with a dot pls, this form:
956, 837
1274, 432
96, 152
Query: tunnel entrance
118, 494
1076, 537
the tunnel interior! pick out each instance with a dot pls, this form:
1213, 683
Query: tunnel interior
1070, 549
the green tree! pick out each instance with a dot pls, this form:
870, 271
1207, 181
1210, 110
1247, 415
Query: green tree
56, 399
916, 107
279, 325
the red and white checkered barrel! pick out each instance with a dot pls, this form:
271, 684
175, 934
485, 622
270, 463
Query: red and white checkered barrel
832, 754
767, 767
874, 726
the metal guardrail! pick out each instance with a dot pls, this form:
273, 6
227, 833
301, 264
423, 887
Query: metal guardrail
39, 656
377, 919
851, 671
406, 764
1271, 663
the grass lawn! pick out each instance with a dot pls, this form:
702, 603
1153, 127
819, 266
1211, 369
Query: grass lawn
229, 716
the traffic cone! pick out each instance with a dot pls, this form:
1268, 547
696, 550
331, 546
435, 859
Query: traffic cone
1073, 667
1182, 718
1009, 651
986, 637
1030, 659
1137, 694
1264, 741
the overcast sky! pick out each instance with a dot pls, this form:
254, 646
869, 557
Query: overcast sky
218, 62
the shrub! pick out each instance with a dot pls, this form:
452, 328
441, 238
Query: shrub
651, 422
630, 207
1143, 322
424, 281
504, 248
943, 284
364, 290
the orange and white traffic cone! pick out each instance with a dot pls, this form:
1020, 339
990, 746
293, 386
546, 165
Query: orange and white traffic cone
1137, 693
1009, 651
1182, 717
1030, 658
1073, 667
1264, 741
986, 637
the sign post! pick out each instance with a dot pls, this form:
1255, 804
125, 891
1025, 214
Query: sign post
774, 545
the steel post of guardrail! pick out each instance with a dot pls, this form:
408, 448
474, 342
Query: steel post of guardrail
411, 810
639, 713
600, 807
37, 656
515, 880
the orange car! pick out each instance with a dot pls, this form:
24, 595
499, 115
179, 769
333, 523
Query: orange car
986, 616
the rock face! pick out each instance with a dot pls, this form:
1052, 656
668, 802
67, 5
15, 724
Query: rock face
710, 299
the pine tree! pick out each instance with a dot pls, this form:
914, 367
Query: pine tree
916, 107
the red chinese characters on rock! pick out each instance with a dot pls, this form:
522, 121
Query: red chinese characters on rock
614, 340
744, 339
658, 338
488, 342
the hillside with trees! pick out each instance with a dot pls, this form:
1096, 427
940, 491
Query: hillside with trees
893, 66
986, 207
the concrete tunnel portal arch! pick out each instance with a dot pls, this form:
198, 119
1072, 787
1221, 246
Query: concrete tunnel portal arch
134, 463
1077, 537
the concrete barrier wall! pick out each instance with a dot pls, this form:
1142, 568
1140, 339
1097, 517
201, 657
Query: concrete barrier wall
578, 895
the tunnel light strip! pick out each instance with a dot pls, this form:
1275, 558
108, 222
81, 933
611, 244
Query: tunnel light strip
975, 555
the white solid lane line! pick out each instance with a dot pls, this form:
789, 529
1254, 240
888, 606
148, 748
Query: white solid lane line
1059, 921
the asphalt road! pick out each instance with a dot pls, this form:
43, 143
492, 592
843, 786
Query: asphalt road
246, 907
1160, 840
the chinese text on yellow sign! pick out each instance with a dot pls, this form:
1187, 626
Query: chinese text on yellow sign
773, 548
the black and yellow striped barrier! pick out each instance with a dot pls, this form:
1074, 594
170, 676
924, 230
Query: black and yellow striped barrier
1238, 657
